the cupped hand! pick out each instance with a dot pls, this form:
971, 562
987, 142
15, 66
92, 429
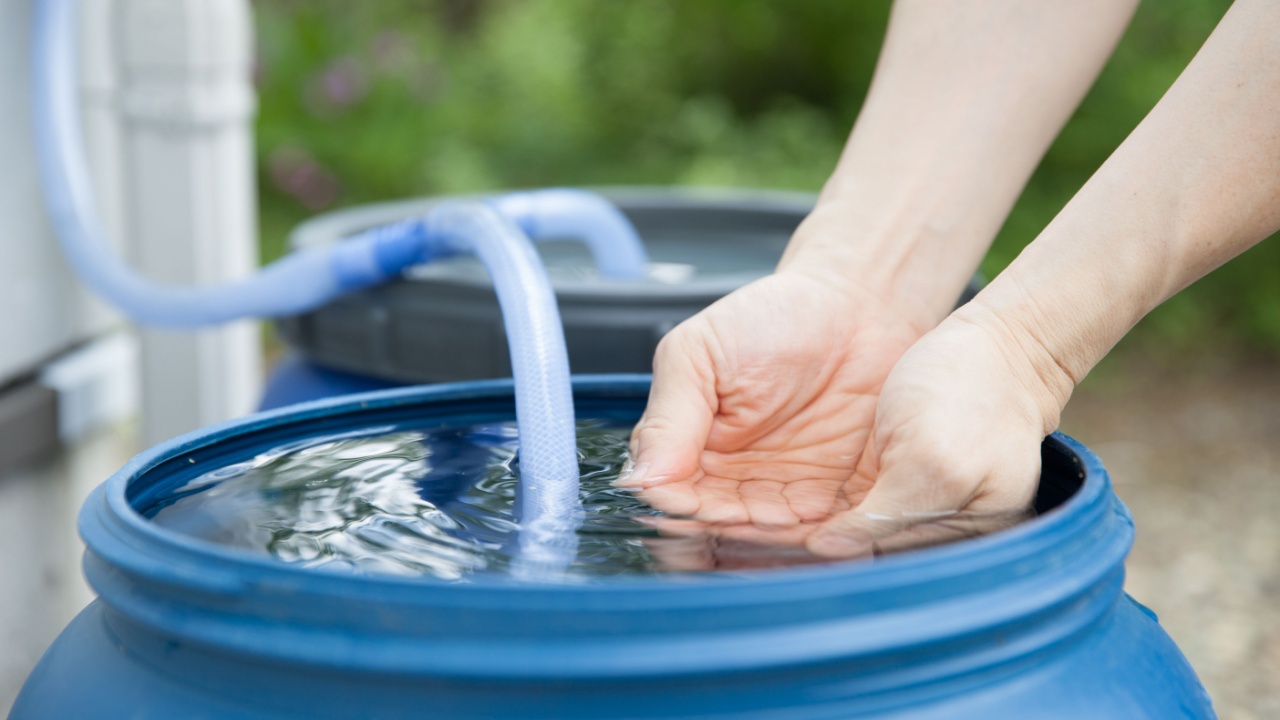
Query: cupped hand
955, 450
762, 405
775, 418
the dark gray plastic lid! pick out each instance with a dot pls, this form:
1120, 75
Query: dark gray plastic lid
442, 322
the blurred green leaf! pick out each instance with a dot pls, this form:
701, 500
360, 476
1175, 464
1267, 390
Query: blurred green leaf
366, 101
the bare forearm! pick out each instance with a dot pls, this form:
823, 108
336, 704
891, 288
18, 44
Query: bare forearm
966, 98
1196, 183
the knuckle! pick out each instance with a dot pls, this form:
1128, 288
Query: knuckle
650, 429
673, 345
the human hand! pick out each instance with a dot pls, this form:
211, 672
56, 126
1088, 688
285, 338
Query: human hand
762, 404
955, 450
686, 545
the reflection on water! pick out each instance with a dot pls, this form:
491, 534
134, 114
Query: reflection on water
441, 503
437, 503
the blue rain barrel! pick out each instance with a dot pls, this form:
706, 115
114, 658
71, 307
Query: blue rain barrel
1031, 622
293, 379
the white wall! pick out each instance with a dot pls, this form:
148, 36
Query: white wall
41, 310
169, 129
184, 99
42, 313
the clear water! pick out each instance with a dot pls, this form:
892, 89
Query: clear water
432, 502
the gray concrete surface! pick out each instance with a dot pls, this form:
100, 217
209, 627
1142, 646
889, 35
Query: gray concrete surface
41, 586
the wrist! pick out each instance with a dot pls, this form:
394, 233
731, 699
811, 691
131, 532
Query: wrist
1063, 304
1039, 375
894, 257
1089, 277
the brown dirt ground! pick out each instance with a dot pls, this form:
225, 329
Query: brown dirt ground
1195, 454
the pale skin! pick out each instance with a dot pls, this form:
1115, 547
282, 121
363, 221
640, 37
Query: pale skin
838, 404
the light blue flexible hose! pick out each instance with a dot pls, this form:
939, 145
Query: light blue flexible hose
565, 213
550, 509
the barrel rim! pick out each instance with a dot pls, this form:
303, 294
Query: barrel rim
1047, 579
1096, 483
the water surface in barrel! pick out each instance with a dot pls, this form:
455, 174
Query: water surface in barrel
441, 502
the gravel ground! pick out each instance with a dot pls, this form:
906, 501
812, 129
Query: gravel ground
1195, 454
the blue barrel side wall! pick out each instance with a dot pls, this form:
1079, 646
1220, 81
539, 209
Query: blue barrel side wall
293, 380
111, 663
1126, 668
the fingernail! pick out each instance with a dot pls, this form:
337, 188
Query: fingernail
649, 480
835, 545
632, 475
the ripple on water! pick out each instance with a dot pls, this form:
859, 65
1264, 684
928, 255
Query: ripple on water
441, 502
409, 502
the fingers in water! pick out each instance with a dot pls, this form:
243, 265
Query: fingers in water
690, 544
640, 475
811, 500
668, 439
858, 533
765, 503
689, 549
721, 502
691, 553
845, 544
673, 499
632, 475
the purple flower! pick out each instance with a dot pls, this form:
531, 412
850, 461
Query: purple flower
295, 172
341, 84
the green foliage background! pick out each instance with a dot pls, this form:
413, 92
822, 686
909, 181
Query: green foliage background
365, 101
